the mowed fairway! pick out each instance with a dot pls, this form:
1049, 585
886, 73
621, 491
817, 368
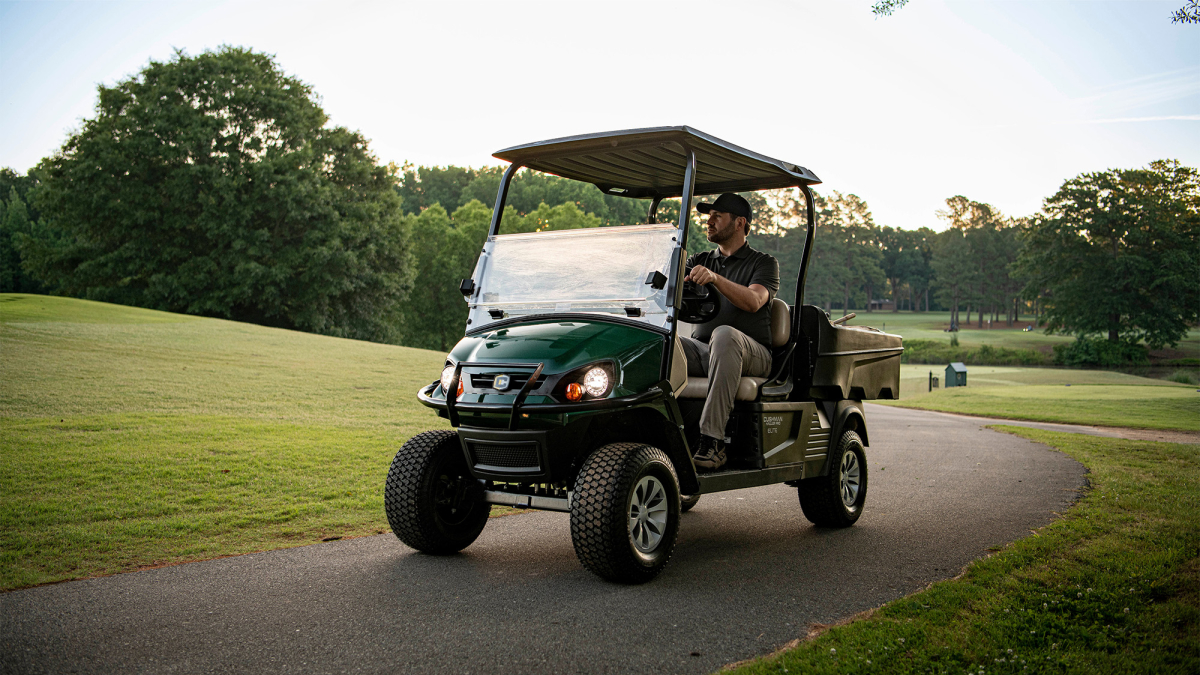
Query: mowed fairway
932, 325
130, 437
1092, 397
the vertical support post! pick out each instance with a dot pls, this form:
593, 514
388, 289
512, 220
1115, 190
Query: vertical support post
501, 197
811, 205
674, 282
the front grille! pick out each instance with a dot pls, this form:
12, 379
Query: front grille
517, 380
506, 455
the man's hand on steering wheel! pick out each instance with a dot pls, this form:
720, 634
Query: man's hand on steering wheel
701, 275
700, 302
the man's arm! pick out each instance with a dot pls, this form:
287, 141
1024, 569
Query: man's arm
746, 298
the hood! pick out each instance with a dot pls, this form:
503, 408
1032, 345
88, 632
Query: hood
561, 345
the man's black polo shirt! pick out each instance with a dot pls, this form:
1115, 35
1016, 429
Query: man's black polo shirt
746, 266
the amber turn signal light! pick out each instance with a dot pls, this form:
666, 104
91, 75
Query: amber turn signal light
574, 391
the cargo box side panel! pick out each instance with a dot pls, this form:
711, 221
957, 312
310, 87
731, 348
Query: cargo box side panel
854, 362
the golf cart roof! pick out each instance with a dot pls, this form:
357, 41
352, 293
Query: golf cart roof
650, 162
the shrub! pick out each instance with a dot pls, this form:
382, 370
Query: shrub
1095, 351
934, 351
1183, 377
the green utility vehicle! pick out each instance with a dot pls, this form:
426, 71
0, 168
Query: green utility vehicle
569, 391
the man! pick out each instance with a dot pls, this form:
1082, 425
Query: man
737, 342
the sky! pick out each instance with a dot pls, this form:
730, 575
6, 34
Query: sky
998, 101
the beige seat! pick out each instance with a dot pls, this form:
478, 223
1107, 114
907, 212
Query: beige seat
697, 387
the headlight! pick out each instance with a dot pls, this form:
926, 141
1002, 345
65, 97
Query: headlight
447, 375
596, 382
592, 381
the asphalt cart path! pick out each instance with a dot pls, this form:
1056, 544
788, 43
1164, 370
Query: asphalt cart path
749, 574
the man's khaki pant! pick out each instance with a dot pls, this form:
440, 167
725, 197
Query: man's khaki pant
728, 356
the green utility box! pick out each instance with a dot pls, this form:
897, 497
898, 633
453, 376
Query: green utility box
956, 375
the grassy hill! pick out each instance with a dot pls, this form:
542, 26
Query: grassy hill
130, 437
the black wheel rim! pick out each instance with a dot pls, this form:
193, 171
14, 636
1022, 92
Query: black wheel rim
453, 497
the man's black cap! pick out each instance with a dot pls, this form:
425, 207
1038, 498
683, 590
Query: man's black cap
728, 203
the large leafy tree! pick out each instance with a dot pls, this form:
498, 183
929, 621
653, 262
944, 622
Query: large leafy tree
846, 256
445, 250
454, 186
446, 247
17, 218
951, 264
906, 257
972, 258
213, 185
1118, 252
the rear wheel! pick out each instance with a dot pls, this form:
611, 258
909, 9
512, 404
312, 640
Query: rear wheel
625, 512
837, 500
432, 502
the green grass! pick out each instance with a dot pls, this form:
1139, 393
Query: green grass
114, 492
1112, 587
130, 437
1094, 397
914, 378
932, 325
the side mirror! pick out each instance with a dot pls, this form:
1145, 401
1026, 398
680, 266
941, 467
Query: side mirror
656, 280
467, 287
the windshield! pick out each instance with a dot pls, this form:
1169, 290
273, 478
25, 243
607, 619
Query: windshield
594, 270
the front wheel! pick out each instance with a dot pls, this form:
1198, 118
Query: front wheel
625, 512
432, 502
837, 500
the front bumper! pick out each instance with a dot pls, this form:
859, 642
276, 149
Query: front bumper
529, 455
424, 395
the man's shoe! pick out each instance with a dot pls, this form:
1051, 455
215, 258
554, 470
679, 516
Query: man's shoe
711, 455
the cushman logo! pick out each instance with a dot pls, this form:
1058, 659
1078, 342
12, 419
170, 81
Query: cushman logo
501, 382
773, 423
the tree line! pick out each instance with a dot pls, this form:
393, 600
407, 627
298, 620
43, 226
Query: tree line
214, 185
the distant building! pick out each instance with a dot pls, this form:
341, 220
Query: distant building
882, 305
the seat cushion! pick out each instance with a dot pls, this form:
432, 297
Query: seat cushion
678, 368
781, 323
697, 387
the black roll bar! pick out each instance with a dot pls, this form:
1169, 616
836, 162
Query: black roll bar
652, 214
501, 197
811, 205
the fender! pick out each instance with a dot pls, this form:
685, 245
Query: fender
847, 415
659, 427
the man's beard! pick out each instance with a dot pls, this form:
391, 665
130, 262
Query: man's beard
715, 236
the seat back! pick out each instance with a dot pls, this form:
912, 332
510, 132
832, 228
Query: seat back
781, 323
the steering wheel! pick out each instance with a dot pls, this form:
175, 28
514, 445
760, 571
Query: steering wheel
700, 303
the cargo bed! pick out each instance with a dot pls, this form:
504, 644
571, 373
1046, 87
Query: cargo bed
852, 362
